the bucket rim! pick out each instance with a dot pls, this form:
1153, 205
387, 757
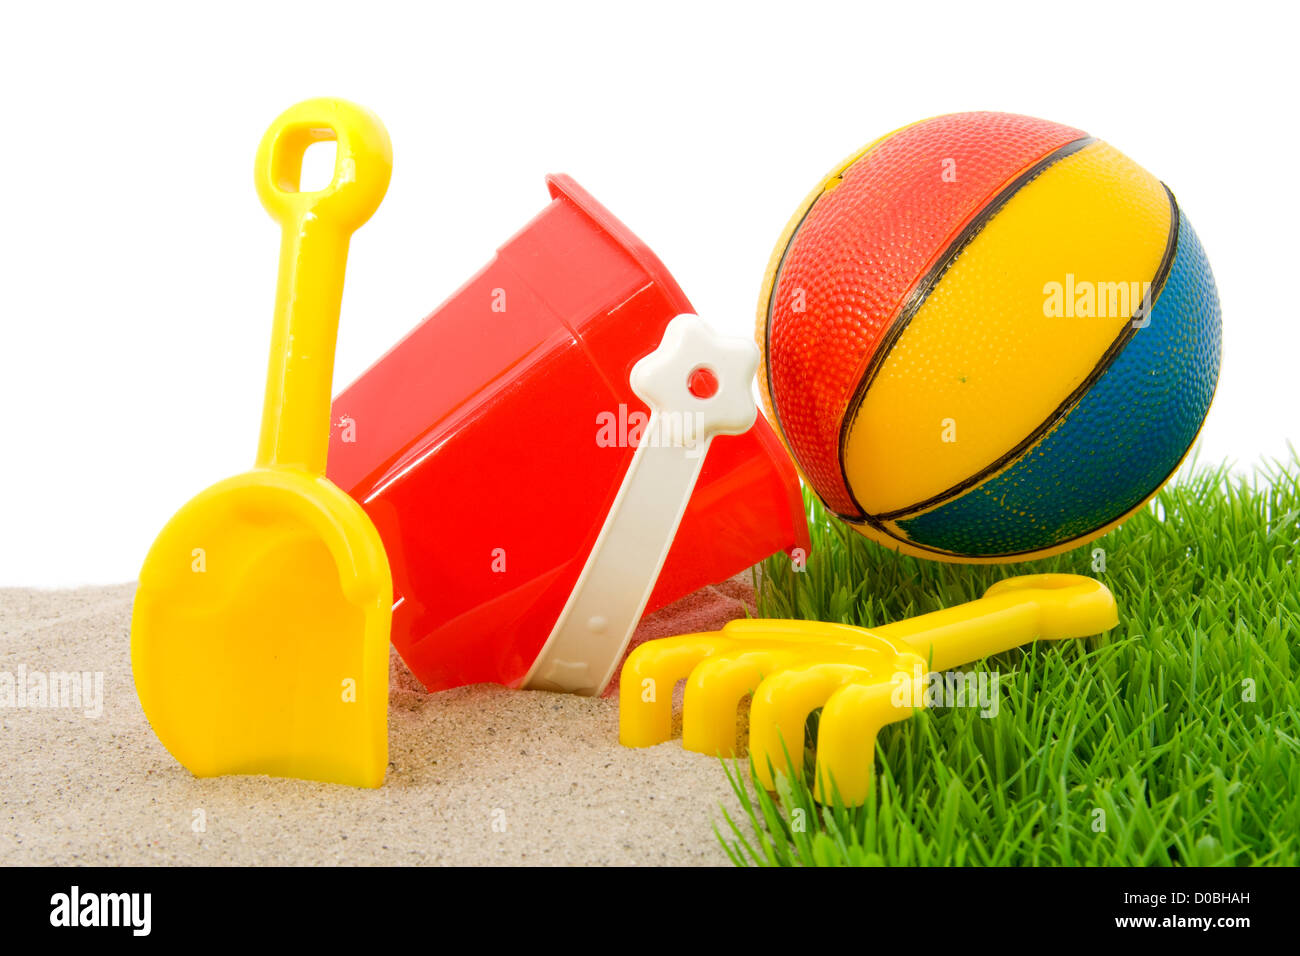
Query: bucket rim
562, 185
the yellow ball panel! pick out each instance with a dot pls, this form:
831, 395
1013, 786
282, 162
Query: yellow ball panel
981, 365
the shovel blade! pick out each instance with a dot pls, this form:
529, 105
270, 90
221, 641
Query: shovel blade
259, 636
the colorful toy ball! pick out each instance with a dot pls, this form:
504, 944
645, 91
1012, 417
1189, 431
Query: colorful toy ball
988, 337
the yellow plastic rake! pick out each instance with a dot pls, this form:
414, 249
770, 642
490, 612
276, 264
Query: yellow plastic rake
862, 679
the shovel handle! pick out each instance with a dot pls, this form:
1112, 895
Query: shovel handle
315, 229
1012, 612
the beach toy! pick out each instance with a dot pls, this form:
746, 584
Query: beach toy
259, 636
489, 446
861, 678
988, 338
697, 385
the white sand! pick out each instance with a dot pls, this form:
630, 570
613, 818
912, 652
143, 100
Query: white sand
82, 790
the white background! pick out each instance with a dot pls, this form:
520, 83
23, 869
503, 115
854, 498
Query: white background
137, 267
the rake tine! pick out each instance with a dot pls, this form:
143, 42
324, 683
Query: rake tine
645, 688
781, 707
713, 694
846, 738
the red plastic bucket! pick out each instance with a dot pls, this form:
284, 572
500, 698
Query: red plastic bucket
488, 445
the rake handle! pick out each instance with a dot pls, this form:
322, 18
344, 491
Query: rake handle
1011, 613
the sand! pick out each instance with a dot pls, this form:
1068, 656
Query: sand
477, 775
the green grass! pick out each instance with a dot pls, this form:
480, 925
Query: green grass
1146, 723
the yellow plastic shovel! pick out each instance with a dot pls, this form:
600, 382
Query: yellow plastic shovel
259, 637
862, 679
